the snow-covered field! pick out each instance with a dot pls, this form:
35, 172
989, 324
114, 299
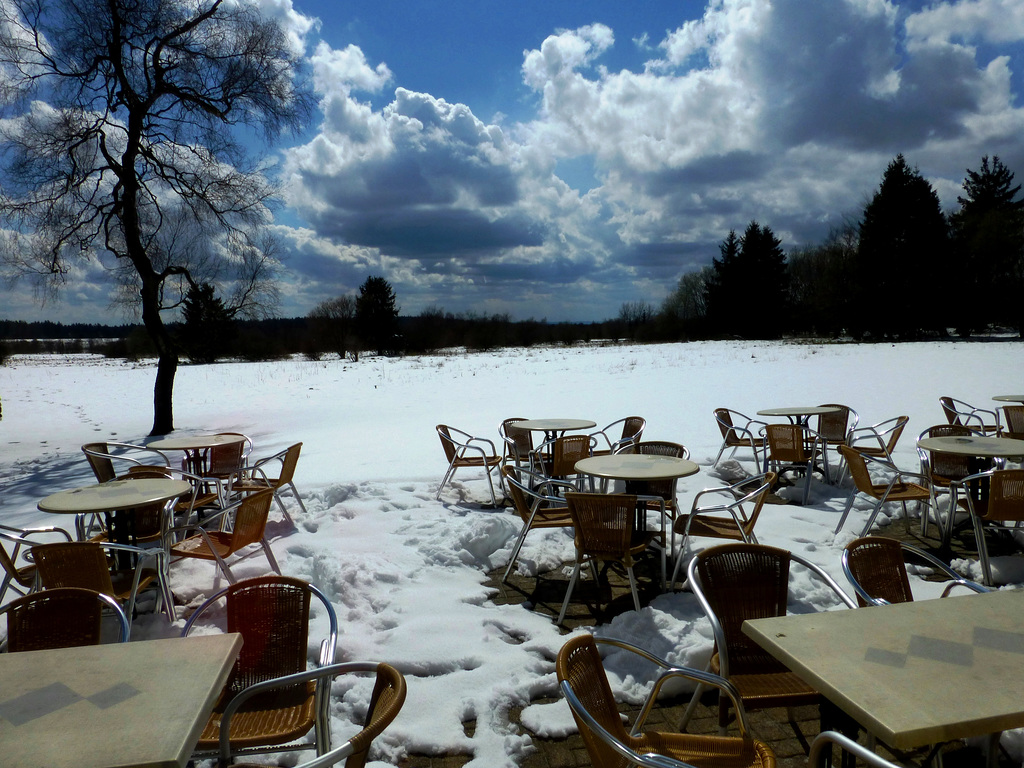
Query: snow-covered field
405, 572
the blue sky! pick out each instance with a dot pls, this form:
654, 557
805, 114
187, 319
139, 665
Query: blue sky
557, 159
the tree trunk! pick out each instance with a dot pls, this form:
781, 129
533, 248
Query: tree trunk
163, 393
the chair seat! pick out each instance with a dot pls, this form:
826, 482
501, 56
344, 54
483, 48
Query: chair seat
195, 546
705, 751
707, 525
903, 492
276, 717
781, 689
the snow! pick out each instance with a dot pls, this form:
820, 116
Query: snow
406, 572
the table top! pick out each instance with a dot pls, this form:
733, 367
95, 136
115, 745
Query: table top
912, 673
555, 425
1009, 398
142, 703
117, 494
636, 466
991, 447
804, 410
194, 442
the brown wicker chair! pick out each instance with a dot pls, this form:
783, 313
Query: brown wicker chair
557, 458
223, 461
584, 684
834, 430
1012, 423
898, 487
86, 564
101, 458
60, 618
536, 502
632, 429
736, 582
254, 478
793, 447
726, 519
738, 432
941, 469
21, 576
664, 489
964, 414
248, 526
272, 615
877, 440
463, 450
386, 701
605, 531
875, 567
517, 442
1001, 509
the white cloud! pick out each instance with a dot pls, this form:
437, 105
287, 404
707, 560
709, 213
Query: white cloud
997, 21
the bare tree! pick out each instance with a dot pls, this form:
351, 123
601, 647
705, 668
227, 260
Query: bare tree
123, 137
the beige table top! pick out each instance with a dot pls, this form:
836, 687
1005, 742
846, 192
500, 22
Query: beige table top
1009, 398
912, 673
634, 466
117, 494
969, 445
105, 706
808, 410
555, 425
194, 442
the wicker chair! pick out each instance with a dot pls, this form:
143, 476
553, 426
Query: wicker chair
964, 414
942, 469
1002, 508
463, 450
632, 429
517, 443
793, 447
254, 477
726, 519
21, 577
386, 701
584, 684
557, 458
101, 457
875, 567
272, 615
223, 461
60, 618
664, 489
834, 430
536, 502
877, 440
898, 487
738, 432
1012, 423
735, 582
248, 526
85, 564
605, 530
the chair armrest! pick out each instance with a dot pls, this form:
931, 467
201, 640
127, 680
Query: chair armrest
973, 586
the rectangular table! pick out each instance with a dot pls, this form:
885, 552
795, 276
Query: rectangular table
912, 674
103, 706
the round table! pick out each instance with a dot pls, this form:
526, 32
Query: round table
799, 414
1009, 398
113, 499
194, 447
553, 427
636, 466
969, 445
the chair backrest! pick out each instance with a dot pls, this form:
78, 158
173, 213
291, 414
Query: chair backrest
740, 582
518, 441
251, 519
1013, 421
524, 499
835, 426
73, 564
569, 449
603, 523
518, 491
579, 664
59, 618
664, 488
288, 464
895, 432
723, 417
763, 490
447, 442
858, 470
12, 573
949, 410
951, 466
226, 458
101, 464
875, 563
388, 696
1005, 495
788, 442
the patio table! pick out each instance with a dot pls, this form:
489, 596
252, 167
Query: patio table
799, 414
195, 448
552, 428
1009, 398
142, 703
912, 674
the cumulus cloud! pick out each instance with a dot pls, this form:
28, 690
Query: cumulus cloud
782, 112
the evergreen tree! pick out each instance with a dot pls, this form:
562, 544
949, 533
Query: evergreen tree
207, 332
749, 278
988, 243
377, 316
904, 277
